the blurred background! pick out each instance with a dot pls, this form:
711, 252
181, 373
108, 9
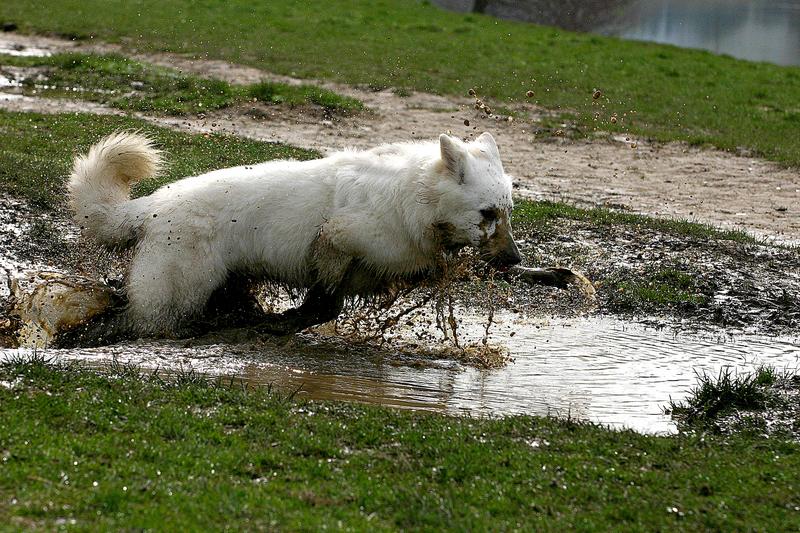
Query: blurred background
758, 30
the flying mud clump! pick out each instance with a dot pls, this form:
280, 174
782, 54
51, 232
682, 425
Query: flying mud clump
58, 303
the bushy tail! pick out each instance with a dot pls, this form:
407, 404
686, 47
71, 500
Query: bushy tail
99, 185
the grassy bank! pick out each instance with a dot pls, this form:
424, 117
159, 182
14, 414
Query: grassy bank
657, 91
133, 85
91, 451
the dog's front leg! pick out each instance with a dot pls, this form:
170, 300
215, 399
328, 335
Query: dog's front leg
319, 306
553, 277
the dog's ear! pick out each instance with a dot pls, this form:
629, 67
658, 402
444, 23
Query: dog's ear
452, 156
487, 141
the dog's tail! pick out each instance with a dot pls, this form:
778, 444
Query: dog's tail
99, 186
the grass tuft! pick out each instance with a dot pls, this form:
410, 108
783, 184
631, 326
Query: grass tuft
295, 95
33, 363
729, 393
716, 395
663, 287
185, 377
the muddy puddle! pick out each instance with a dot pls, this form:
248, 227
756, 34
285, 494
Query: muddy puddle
601, 369
9, 83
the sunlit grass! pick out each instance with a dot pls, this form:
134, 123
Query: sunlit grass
656, 91
129, 449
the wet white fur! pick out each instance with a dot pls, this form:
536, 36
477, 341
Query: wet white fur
377, 206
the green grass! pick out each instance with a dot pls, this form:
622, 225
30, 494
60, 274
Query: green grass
37, 152
127, 451
136, 86
532, 213
663, 287
293, 95
658, 91
726, 392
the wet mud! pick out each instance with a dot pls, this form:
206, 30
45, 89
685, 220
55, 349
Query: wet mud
744, 287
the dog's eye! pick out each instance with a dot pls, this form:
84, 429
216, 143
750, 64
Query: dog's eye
489, 214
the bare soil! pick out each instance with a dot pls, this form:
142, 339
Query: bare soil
668, 180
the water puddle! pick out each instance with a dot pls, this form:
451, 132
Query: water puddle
602, 369
9, 83
12, 83
14, 49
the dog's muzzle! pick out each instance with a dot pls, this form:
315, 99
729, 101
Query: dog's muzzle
509, 256
503, 258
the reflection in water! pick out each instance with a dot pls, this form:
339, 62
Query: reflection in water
604, 370
759, 30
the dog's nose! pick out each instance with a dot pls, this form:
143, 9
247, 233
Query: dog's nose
511, 255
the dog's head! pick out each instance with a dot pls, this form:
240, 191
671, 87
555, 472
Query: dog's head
474, 200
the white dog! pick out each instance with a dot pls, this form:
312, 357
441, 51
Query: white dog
349, 224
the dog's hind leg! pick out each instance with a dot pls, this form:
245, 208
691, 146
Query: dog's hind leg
319, 306
233, 305
168, 288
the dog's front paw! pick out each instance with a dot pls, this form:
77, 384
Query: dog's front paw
559, 277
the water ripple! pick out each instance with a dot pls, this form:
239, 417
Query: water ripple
601, 369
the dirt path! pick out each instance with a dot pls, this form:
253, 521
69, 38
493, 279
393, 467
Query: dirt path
668, 180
